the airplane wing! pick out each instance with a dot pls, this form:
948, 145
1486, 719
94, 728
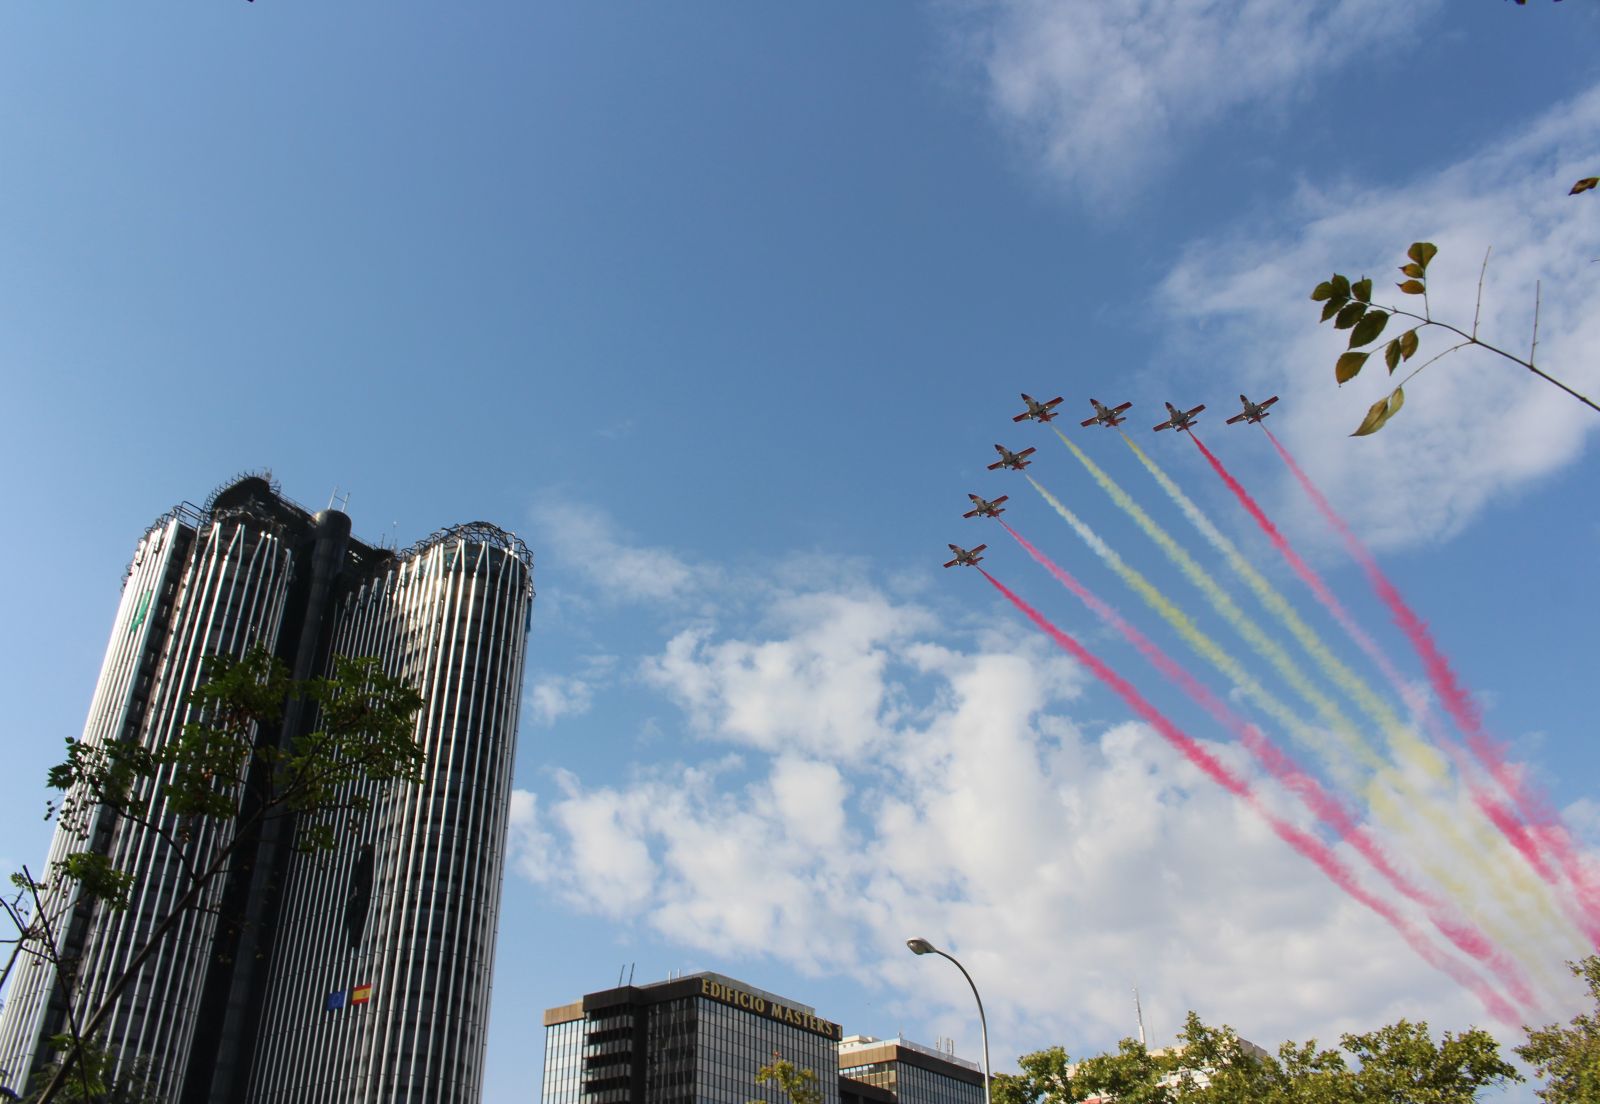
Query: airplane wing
1020, 417
1029, 451
1269, 402
952, 563
1090, 422
1053, 402
996, 464
978, 549
1236, 418
1120, 409
1195, 411
970, 513
999, 500
1163, 425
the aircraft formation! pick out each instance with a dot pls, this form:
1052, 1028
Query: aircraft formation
1108, 416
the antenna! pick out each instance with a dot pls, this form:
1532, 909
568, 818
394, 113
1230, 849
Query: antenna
333, 496
1138, 1012
631, 965
620, 970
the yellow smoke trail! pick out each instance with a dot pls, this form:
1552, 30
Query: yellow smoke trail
1380, 798
1402, 741
1223, 603
1517, 897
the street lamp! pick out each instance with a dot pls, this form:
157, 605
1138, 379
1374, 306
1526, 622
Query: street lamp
922, 947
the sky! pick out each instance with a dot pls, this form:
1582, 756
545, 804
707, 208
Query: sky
723, 307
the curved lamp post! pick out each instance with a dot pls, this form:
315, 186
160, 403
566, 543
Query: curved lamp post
922, 947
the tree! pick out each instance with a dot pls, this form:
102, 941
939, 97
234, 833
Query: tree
1399, 1064
799, 1085
206, 794
99, 1079
1349, 304
1569, 1056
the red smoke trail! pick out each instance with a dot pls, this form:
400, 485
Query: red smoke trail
1459, 704
1306, 844
1495, 810
1288, 773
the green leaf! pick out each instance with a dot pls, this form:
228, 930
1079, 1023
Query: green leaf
1349, 315
1380, 412
1341, 286
1408, 344
1368, 329
1415, 271
1331, 308
1391, 354
1349, 364
1412, 287
1422, 252
1585, 184
1362, 289
1322, 291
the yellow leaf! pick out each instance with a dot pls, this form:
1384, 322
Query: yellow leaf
1380, 412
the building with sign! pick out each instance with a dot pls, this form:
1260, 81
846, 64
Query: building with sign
698, 1039
356, 975
915, 1074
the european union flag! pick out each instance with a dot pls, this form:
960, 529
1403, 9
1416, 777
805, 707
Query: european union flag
335, 1001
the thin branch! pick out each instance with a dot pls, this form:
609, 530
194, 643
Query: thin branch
1430, 360
1535, 346
72, 1012
1477, 307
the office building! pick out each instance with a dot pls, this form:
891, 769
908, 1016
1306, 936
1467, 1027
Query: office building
330, 978
914, 1073
698, 1039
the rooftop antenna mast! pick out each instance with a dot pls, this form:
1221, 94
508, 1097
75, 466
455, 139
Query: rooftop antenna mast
1139, 1013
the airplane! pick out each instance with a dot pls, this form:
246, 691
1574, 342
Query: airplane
985, 507
1253, 412
966, 558
1106, 415
1038, 411
1181, 419
1014, 460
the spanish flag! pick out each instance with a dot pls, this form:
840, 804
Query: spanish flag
360, 994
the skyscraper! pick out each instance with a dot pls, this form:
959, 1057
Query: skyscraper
357, 975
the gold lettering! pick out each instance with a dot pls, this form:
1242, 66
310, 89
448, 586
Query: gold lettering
705, 987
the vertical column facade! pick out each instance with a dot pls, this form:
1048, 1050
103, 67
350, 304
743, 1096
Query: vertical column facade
381, 981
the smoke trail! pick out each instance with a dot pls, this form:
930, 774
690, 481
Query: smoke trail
1303, 842
1388, 811
1214, 654
1459, 704
1401, 739
1494, 810
1322, 804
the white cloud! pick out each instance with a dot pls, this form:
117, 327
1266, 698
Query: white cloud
889, 783
588, 542
552, 696
1475, 427
1102, 92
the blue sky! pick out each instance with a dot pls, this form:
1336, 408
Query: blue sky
722, 307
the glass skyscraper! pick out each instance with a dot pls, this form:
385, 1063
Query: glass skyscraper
357, 975
915, 1074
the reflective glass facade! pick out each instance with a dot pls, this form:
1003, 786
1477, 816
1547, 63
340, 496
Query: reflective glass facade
698, 1040
913, 1074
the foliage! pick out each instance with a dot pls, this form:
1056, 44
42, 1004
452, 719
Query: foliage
209, 790
799, 1085
1569, 1056
98, 1078
1349, 303
1399, 1064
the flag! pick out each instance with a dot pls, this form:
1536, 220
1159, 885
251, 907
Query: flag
361, 994
335, 1001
